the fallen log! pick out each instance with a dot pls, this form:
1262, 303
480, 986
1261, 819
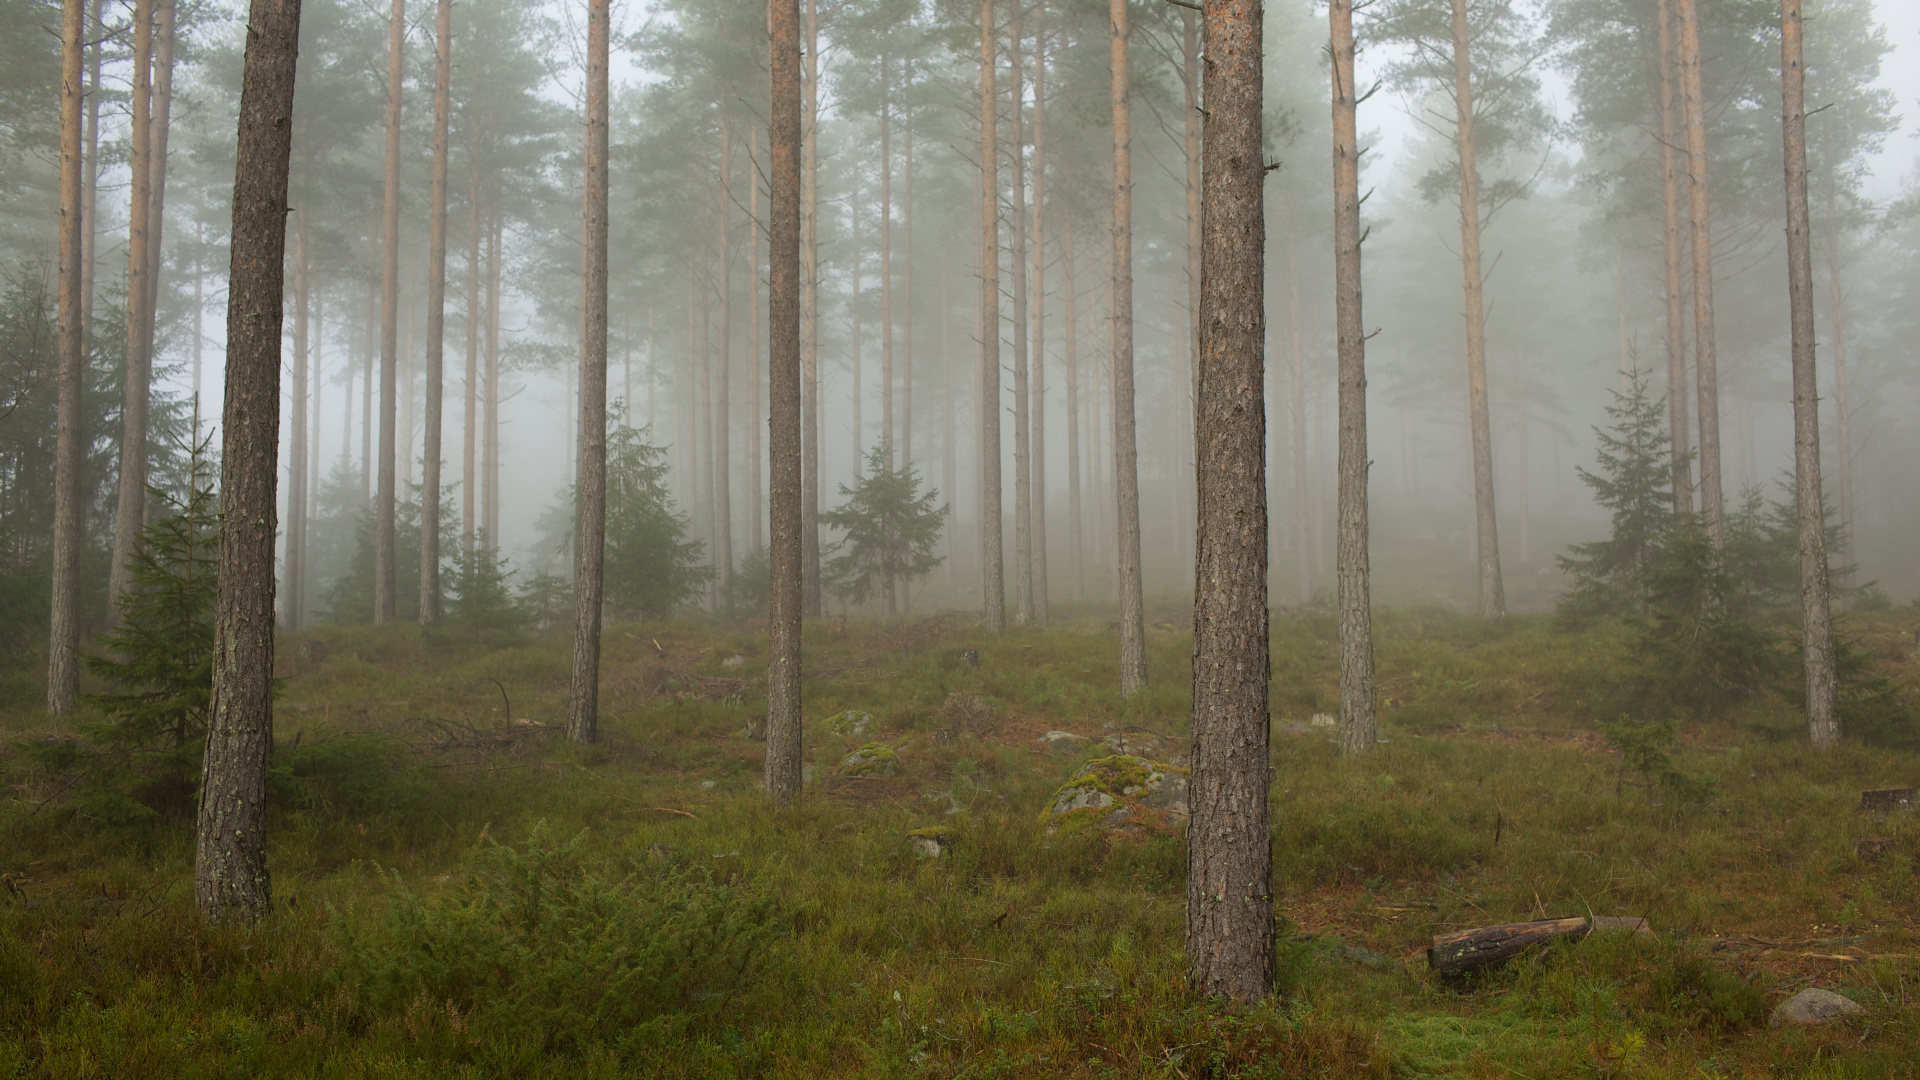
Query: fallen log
1886, 799
1465, 950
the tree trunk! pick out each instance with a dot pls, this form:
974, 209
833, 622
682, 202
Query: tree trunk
1520, 457
1303, 500
722, 366
490, 445
1358, 725
756, 507
296, 555
384, 591
1023, 609
993, 585
230, 868
1679, 442
590, 530
368, 320
886, 269
1843, 411
162, 110
1493, 597
1126, 476
906, 293
436, 318
63, 642
1037, 373
1705, 362
1230, 858
1192, 77
469, 429
1816, 617
130, 510
810, 330
853, 306
90, 177
1076, 532
784, 514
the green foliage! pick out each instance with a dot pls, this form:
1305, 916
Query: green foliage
1635, 485
1646, 750
547, 598
1698, 649
750, 589
891, 530
548, 951
652, 569
480, 604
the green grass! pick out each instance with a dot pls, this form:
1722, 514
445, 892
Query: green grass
403, 797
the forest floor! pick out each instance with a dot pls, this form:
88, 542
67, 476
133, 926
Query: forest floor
458, 892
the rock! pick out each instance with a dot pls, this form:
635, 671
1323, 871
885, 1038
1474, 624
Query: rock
1882, 800
1062, 740
1814, 1006
1138, 742
1367, 958
967, 658
1321, 719
931, 842
706, 785
874, 759
734, 661
1120, 792
852, 722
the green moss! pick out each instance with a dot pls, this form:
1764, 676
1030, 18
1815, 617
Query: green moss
873, 759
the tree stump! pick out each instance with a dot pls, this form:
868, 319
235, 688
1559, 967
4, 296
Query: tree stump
1464, 950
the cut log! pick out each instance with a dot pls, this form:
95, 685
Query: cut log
1885, 799
1465, 950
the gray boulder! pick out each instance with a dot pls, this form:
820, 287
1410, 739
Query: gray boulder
1814, 1006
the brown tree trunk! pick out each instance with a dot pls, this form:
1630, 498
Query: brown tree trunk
993, 584
590, 527
1192, 78
1705, 362
63, 642
1816, 617
1037, 374
1023, 609
1303, 500
906, 292
490, 443
436, 318
1493, 596
369, 319
1843, 410
162, 110
469, 429
384, 590
784, 288
1358, 729
887, 439
1679, 441
1126, 475
296, 556
90, 177
130, 510
722, 367
230, 868
1230, 857
810, 330
1076, 531
756, 507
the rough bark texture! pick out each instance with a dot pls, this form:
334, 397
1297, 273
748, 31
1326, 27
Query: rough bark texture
436, 318
1816, 617
130, 510
230, 866
1037, 374
1358, 730
1464, 950
63, 643
783, 462
1680, 442
384, 592
810, 329
1493, 597
1230, 858
1126, 474
993, 583
1705, 362
590, 528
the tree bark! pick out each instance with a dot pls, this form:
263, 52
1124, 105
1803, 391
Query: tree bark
1705, 361
1358, 724
296, 556
590, 530
230, 879
906, 291
384, 590
722, 431
1037, 372
436, 318
162, 110
63, 642
90, 178
1816, 616
469, 429
784, 472
130, 510
1230, 859
1126, 476
1023, 603
1679, 441
993, 584
810, 330
1076, 531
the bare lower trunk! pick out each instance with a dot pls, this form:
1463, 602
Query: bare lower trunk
1493, 596
906, 294
469, 429
63, 642
1023, 610
993, 586
784, 288
756, 507
490, 441
436, 319
723, 380
161, 121
230, 868
1303, 500
810, 330
90, 176
1126, 475
1358, 724
1705, 362
1037, 376
1680, 443
129, 511
590, 527
385, 592
887, 438
1816, 618
1076, 531
1230, 950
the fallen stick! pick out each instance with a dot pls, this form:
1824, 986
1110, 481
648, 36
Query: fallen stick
1464, 950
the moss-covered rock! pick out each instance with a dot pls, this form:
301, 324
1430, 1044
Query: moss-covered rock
1120, 792
931, 842
873, 759
852, 722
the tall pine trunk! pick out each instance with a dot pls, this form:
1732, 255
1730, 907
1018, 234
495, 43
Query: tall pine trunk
490, 421
906, 292
436, 318
756, 508
1037, 372
1705, 356
1076, 524
1303, 498
810, 329
1352, 568
1816, 616
1493, 595
993, 583
63, 642
1230, 950
1842, 407
90, 177
1023, 604
230, 880
130, 509
384, 590
722, 367
470, 391
161, 121
590, 527
1126, 474
1191, 79
785, 285
296, 555
887, 438
1679, 442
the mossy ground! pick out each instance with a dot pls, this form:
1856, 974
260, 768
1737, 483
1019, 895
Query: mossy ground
1494, 799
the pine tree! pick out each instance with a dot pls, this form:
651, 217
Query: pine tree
1634, 485
891, 530
651, 567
